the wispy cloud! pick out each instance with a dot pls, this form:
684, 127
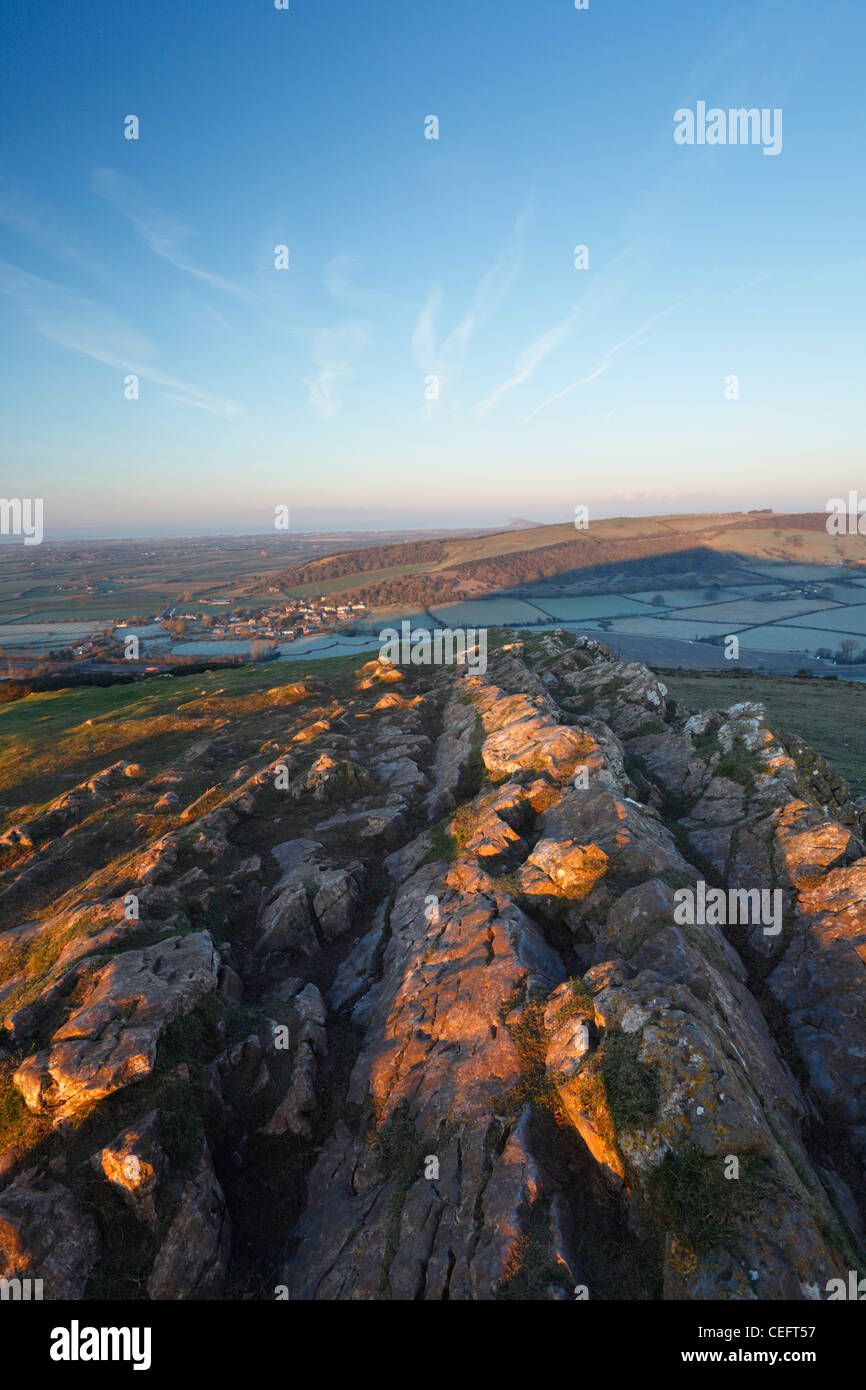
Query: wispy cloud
207, 403
341, 284
606, 289
424, 334
529, 361
637, 338
446, 360
334, 351
37, 223
90, 328
758, 280
158, 230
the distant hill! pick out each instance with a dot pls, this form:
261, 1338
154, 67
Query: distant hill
651, 548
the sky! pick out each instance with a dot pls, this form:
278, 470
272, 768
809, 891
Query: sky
609, 385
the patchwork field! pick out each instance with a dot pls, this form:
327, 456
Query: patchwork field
311, 647
677, 598
689, 630
578, 610
750, 611
781, 638
99, 580
674, 579
849, 619
494, 612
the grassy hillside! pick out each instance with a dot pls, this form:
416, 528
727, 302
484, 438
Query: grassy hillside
426, 572
50, 742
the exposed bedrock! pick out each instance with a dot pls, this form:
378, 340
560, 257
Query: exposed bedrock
419, 987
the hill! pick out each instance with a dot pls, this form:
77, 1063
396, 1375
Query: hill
427, 983
657, 549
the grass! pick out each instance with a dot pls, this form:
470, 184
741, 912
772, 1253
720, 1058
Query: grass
581, 1002
635, 768
463, 824
399, 1149
532, 1270
649, 726
825, 714
689, 1194
401, 1152
19, 1128
631, 1087
36, 958
52, 741
442, 846
594, 1098
738, 765
534, 1086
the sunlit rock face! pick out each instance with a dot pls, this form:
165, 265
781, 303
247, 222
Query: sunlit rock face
134, 1163
352, 991
110, 1041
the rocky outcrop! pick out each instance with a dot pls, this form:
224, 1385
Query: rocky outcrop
453, 751
821, 983
417, 993
662, 1061
312, 903
110, 1041
192, 1261
776, 818
133, 1163
293, 1112
44, 1234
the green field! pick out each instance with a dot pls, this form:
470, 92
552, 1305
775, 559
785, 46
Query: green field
50, 742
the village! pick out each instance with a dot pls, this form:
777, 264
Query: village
264, 629
290, 619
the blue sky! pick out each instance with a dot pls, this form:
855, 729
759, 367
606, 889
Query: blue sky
412, 258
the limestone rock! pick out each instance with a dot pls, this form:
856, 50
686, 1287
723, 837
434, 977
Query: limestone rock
134, 1163
45, 1235
110, 1041
192, 1261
